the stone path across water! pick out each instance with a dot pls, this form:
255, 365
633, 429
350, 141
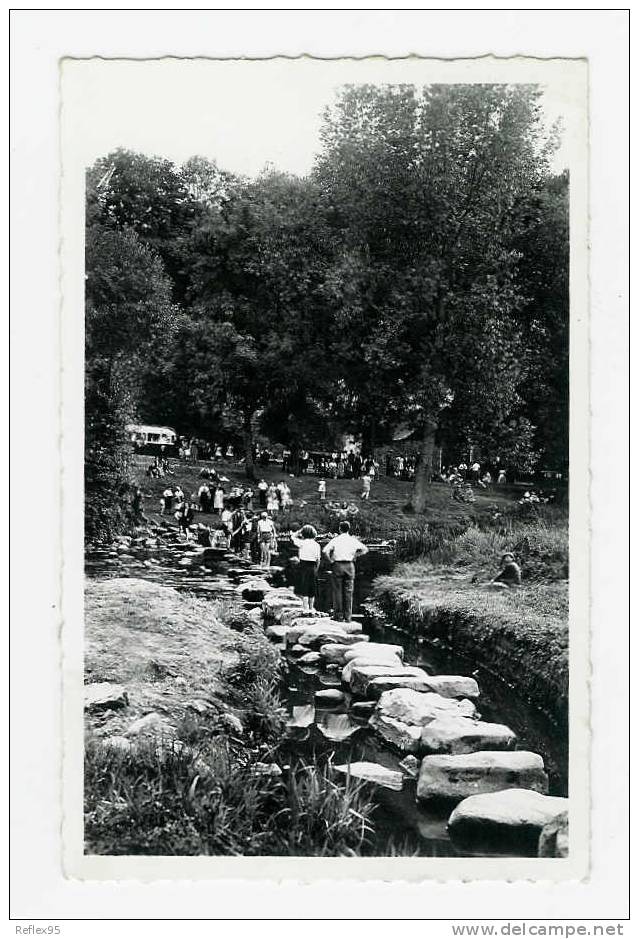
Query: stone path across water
452, 758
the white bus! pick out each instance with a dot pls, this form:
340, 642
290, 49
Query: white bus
151, 439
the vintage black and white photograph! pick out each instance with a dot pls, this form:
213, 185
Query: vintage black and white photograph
327, 438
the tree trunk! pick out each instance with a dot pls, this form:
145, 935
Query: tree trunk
248, 447
423, 470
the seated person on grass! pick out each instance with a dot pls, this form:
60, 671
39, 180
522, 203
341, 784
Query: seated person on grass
510, 573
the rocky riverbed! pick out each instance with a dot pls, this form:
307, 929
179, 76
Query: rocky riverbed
446, 780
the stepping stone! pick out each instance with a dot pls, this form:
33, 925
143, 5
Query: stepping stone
401, 736
373, 773
330, 697
380, 651
362, 675
334, 652
453, 686
413, 682
413, 707
451, 734
386, 665
463, 775
337, 727
303, 716
554, 839
104, 696
512, 816
310, 658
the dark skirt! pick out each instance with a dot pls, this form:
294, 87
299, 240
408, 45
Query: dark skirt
306, 579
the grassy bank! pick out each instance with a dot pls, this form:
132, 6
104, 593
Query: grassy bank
208, 777
520, 635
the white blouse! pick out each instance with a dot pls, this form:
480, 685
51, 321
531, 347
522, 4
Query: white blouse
308, 549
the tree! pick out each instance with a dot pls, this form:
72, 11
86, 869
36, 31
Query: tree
427, 190
128, 309
257, 280
150, 196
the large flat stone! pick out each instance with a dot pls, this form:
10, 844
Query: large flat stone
362, 675
374, 650
453, 734
460, 776
306, 626
512, 816
414, 707
333, 652
378, 686
373, 773
453, 686
104, 696
362, 661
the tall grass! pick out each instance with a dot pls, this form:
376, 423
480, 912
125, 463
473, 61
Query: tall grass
212, 803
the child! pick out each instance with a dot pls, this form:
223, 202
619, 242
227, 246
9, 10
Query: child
366, 487
321, 488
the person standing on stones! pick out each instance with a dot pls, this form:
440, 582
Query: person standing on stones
262, 489
309, 555
342, 551
266, 533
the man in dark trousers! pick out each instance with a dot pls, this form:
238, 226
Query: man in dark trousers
342, 551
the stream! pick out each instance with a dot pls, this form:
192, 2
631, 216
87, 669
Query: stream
340, 733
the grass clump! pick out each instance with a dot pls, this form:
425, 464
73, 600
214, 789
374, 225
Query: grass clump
185, 803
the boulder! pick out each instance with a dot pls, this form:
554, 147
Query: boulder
453, 734
374, 650
505, 819
330, 697
460, 776
152, 725
554, 840
104, 696
414, 707
372, 773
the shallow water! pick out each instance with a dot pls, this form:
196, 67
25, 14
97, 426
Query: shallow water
334, 733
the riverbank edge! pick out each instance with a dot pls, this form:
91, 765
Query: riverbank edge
498, 649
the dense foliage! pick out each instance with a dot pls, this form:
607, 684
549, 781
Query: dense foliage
418, 274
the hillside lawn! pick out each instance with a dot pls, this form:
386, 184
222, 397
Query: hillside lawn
381, 517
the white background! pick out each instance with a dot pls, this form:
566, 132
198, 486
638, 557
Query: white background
39, 40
